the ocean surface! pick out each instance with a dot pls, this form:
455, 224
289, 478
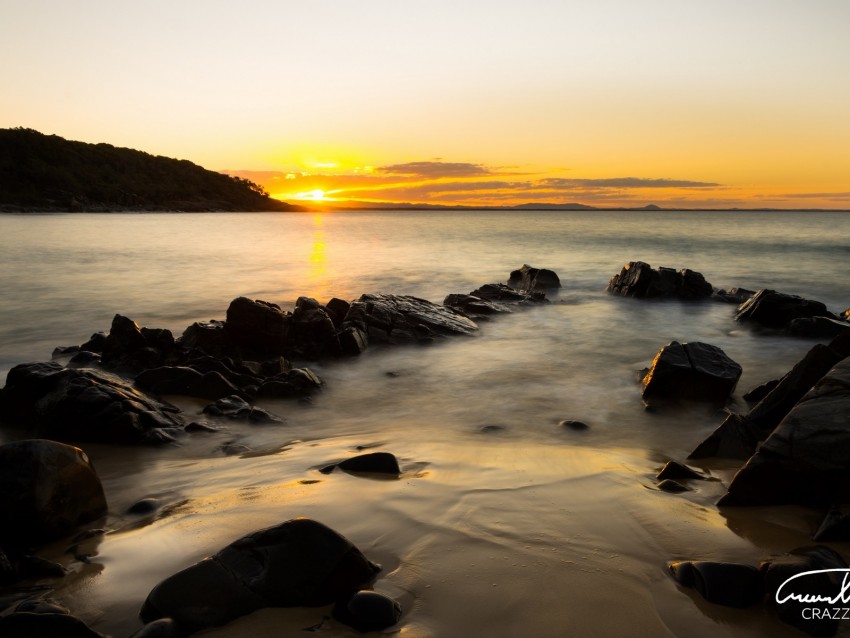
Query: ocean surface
519, 528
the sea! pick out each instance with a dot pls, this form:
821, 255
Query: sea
503, 523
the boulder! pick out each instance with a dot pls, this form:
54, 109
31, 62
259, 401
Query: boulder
185, 381
727, 584
806, 459
297, 383
677, 471
530, 278
128, 347
736, 296
337, 309
207, 337
368, 611
760, 391
693, 371
473, 306
297, 563
96, 343
639, 279
817, 327
235, 407
352, 341
506, 295
402, 319
312, 333
738, 435
776, 310
83, 405
47, 490
374, 462
257, 327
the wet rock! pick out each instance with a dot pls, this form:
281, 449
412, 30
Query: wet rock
35, 567
337, 309
41, 606
673, 487
296, 383
235, 407
727, 584
675, 470
352, 341
257, 327
240, 375
776, 310
84, 359
96, 343
47, 490
162, 628
504, 294
375, 462
84, 405
739, 435
835, 527
185, 381
368, 611
207, 337
760, 392
817, 327
736, 296
475, 306
64, 351
145, 506
312, 333
693, 371
196, 426
402, 319
297, 563
530, 278
639, 279
128, 347
826, 584
574, 425
29, 625
806, 459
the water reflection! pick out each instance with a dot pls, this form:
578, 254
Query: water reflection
318, 274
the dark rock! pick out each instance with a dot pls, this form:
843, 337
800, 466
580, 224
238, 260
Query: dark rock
835, 527
297, 563
312, 333
34, 567
400, 319
196, 426
673, 487
694, 371
83, 405
235, 407
760, 392
64, 351
125, 337
239, 375
727, 584
234, 449
736, 296
530, 278
257, 327
368, 611
7, 570
352, 341
127, 346
207, 337
145, 506
47, 490
504, 294
639, 279
817, 327
375, 462
41, 606
337, 309
84, 359
806, 459
96, 343
776, 310
296, 383
574, 425
676, 470
826, 584
474, 306
162, 628
185, 381
29, 625
738, 435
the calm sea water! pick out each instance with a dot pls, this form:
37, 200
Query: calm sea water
478, 507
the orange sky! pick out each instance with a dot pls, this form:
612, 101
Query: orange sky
611, 103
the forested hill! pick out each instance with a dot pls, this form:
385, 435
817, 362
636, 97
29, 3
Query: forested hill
48, 173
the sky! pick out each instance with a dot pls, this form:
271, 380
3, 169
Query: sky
678, 103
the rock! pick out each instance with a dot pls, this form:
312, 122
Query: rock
235, 407
676, 470
297, 563
736, 296
727, 584
257, 327
352, 341
368, 611
296, 383
506, 295
47, 490
41, 606
639, 279
474, 306
207, 337
530, 278
402, 319
760, 392
374, 462
817, 327
738, 435
694, 371
806, 459
96, 343
185, 381
64, 351
337, 309
240, 375
84, 359
145, 506
162, 628
312, 333
826, 584
835, 527
35, 567
673, 487
776, 310
128, 347
574, 425
83, 405
198, 427
29, 625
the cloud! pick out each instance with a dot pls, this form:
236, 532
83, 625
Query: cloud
838, 197
436, 170
623, 182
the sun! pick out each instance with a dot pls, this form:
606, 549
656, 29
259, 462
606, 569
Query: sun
317, 195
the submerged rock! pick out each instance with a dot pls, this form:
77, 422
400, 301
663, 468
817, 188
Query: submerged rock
694, 371
776, 310
83, 405
530, 278
736, 296
47, 489
297, 563
377, 462
817, 327
639, 279
368, 611
675, 470
235, 407
297, 383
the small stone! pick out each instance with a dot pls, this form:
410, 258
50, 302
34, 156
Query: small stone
574, 425
673, 487
368, 611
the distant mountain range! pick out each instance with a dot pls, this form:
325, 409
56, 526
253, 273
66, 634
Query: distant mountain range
49, 173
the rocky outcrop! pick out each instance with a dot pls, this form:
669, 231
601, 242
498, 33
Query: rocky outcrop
739, 434
693, 371
639, 279
258, 328
69, 404
402, 319
806, 459
128, 347
47, 489
776, 310
185, 381
817, 327
736, 296
297, 563
530, 278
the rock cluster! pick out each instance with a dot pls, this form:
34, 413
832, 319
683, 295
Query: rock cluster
639, 279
